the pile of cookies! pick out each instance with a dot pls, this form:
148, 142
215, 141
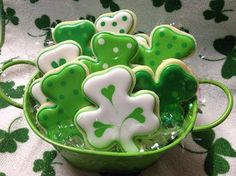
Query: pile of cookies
106, 88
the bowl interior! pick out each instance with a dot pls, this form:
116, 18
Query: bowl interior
30, 114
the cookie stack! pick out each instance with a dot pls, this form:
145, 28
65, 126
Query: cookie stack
104, 88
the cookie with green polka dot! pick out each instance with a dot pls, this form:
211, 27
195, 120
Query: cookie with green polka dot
63, 87
80, 31
122, 21
111, 49
174, 83
165, 42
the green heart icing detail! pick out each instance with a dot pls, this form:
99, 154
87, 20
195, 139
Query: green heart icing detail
108, 92
137, 115
173, 84
80, 31
54, 64
110, 50
165, 42
100, 128
63, 88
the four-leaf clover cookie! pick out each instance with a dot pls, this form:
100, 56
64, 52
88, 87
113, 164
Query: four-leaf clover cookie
165, 42
110, 50
57, 55
80, 31
63, 88
120, 116
174, 83
122, 21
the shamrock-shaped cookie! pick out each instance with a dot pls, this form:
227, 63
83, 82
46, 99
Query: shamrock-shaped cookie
165, 42
57, 55
111, 49
174, 83
80, 31
36, 92
63, 87
120, 116
122, 21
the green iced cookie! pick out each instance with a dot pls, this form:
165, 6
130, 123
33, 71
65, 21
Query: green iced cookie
174, 83
80, 31
63, 87
110, 50
165, 42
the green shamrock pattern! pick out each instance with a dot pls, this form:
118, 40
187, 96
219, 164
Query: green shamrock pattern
216, 11
10, 16
45, 24
110, 4
9, 90
170, 5
9, 138
45, 165
2, 174
216, 149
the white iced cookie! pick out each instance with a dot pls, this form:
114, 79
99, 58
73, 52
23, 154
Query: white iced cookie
57, 55
36, 92
120, 116
142, 39
123, 21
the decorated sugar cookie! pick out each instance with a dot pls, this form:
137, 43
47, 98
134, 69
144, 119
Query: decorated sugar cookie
165, 42
142, 39
36, 92
63, 87
111, 49
174, 83
123, 21
57, 55
120, 116
80, 31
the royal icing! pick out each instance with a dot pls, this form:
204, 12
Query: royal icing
142, 39
36, 92
110, 50
63, 87
120, 116
80, 31
165, 42
123, 21
57, 55
174, 83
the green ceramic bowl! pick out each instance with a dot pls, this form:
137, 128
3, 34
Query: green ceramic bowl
112, 161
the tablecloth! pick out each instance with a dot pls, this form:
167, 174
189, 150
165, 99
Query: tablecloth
212, 22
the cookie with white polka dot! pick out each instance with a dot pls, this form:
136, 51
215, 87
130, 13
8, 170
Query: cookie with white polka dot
122, 21
111, 49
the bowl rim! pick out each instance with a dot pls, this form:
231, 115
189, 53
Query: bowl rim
105, 153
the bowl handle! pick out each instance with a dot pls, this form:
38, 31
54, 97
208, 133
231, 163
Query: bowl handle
225, 113
2, 69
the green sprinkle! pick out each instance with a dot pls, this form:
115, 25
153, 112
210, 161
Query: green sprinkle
75, 92
162, 34
158, 52
152, 62
122, 31
178, 55
169, 45
174, 37
184, 45
50, 84
103, 23
61, 97
157, 43
63, 83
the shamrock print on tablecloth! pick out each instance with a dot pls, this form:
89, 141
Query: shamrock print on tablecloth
2, 174
10, 16
57, 55
63, 89
165, 42
9, 139
45, 165
88, 17
10, 90
170, 5
227, 47
216, 150
110, 3
44, 23
80, 31
120, 116
111, 49
216, 12
174, 84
